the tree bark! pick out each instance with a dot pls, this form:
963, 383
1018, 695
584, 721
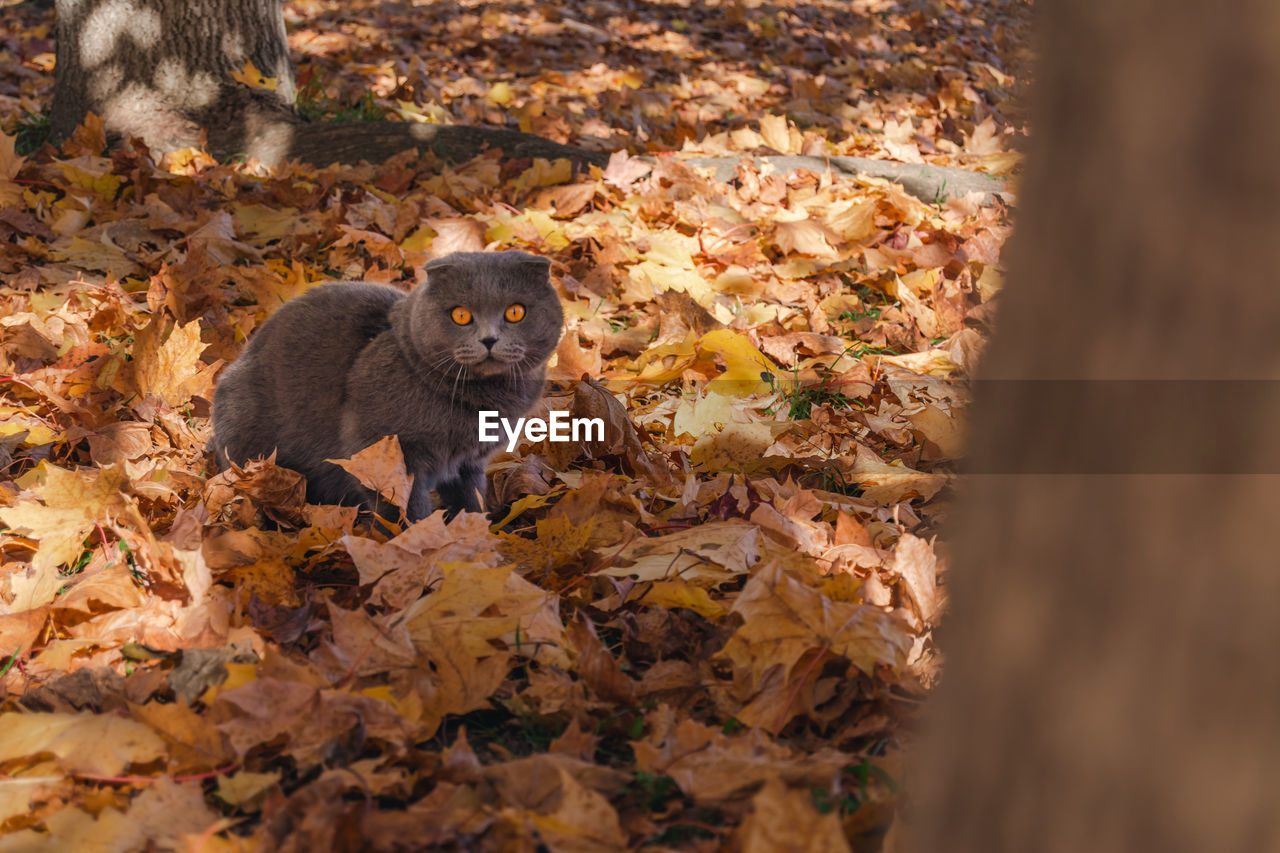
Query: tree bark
160, 70
1111, 682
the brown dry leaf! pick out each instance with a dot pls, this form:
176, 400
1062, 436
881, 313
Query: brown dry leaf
591, 400
120, 442
623, 170
10, 162
913, 560
193, 745
161, 814
712, 552
785, 821
890, 483
783, 617
456, 235
403, 567
805, 236
365, 645
235, 496
712, 767
575, 742
380, 468
597, 667
19, 630
584, 822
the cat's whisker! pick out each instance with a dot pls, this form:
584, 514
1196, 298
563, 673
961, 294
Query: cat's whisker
453, 394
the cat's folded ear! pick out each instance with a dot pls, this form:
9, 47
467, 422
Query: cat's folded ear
533, 263
441, 264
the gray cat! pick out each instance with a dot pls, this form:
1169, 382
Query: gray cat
338, 368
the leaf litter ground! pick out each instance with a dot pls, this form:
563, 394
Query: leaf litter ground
709, 630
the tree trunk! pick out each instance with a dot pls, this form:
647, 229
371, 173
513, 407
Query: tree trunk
1111, 682
160, 70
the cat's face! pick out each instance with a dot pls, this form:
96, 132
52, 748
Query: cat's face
485, 314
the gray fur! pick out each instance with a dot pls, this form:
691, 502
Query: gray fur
338, 368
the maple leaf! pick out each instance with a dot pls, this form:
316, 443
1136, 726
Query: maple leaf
889, 483
804, 236
712, 767
784, 618
167, 365
623, 170
60, 512
783, 819
380, 468
583, 821
709, 552
250, 76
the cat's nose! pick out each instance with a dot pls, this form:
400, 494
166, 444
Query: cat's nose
488, 342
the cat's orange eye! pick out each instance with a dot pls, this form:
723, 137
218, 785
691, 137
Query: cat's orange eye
515, 312
461, 316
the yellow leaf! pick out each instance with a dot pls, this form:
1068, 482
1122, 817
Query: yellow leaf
420, 240
558, 543
853, 221
527, 502
166, 362
545, 173
678, 593
744, 364
240, 788
250, 76
946, 431
60, 512
101, 744
264, 222
745, 139
778, 135
663, 277
732, 447
701, 416
500, 93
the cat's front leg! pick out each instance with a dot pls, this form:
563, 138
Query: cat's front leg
466, 490
420, 505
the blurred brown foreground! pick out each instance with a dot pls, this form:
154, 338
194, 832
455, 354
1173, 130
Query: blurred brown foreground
1112, 682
